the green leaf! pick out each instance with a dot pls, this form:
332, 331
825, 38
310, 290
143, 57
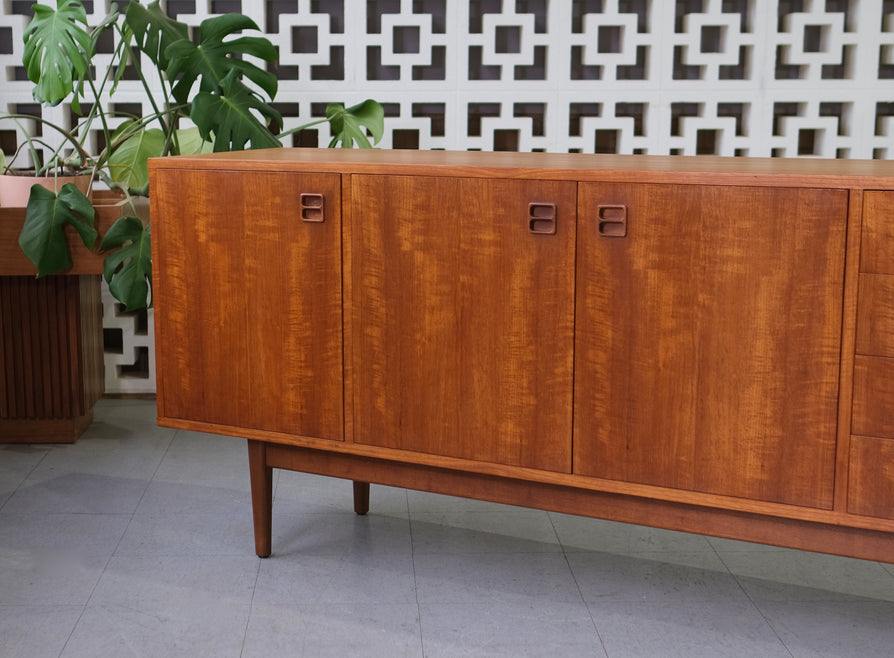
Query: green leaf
57, 49
191, 142
128, 271
212, 60
154, 30
229, 119
128, 163
43, 238
350, 125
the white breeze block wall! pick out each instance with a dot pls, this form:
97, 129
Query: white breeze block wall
781, 78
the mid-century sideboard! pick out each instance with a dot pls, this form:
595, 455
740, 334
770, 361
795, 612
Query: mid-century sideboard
701, 344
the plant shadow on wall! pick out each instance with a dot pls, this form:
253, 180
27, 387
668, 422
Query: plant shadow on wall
208, 79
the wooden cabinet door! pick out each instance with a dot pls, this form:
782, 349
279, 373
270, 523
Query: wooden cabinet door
708, 338
463, 317
248, 281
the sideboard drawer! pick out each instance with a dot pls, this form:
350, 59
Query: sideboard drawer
875, 315
873, 397
871, 489
878, 233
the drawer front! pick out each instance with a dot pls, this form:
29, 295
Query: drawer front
875, 315
878, 233
871, 489
873, 410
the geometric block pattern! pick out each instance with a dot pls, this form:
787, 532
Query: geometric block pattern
129, 348
761, 78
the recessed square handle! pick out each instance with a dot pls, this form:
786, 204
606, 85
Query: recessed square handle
542, 218
311, 207
612, 220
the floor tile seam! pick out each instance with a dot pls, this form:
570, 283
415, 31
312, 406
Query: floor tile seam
481, 512
168, 514
74, 626
586, 604
136, 507
112, 555
251, 606
55, 513
102, 573
833, 595
754, 604
415, 578
472, 554
152, 478
164, 454
577, 584
551, 548
607, 550
191, 554
27, 475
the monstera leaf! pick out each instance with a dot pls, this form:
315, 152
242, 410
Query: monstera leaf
57, 49
128, 163
227, 118
43, 235
154, 31
128, 271
348, 123
190, 142
211, 60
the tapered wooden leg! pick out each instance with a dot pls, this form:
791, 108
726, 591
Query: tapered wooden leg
261, 496
361, 497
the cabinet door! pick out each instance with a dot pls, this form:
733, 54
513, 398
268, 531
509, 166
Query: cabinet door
248, 299
707, 354
463, 315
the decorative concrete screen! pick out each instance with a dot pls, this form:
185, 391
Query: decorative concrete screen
782, 78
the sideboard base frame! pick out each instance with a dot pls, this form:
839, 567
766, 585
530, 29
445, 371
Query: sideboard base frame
728, 524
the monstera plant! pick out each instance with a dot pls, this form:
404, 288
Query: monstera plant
209, 79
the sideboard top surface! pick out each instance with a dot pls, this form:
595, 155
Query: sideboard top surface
718, 170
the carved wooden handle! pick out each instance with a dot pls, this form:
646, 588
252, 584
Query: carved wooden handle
312, 207
542, 218
612, 220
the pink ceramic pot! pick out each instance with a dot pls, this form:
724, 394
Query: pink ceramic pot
15, 189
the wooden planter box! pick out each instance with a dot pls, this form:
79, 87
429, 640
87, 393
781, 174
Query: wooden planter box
51, 344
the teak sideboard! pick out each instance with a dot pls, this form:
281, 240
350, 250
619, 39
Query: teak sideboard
700, 344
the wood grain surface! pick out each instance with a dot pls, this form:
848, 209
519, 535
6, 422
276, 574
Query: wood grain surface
464, 318
878, 233
875, 315
873, 396
248, 301
708, 340
51, 356
872, 477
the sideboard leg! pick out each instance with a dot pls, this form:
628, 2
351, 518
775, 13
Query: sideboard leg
361, 497
261, 496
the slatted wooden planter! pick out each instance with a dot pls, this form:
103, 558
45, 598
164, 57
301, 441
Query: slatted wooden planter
51, 348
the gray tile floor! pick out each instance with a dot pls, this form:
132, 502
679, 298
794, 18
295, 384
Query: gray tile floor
137, 541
